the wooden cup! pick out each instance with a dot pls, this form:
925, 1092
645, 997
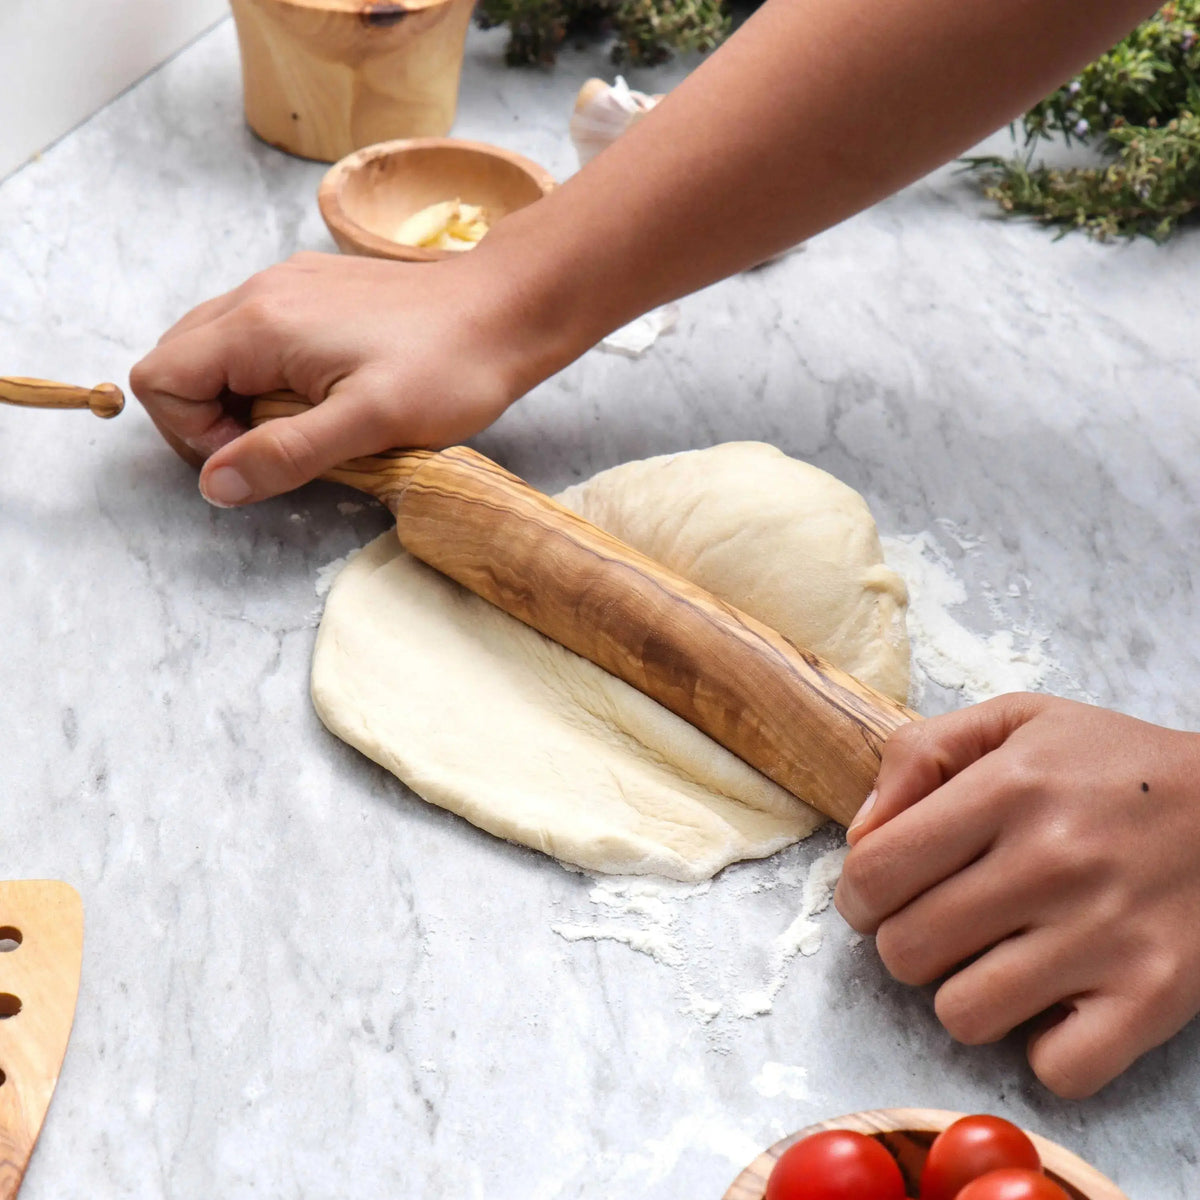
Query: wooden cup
323, 78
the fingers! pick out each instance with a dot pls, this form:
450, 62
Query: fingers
286, 453
932, 935
179, 384
232, 343
918, 849
1012, 983
1099, 1037
921, 757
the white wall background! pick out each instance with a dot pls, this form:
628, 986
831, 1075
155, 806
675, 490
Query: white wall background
65, 59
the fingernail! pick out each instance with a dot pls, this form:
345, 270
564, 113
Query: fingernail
863, 813
224, 487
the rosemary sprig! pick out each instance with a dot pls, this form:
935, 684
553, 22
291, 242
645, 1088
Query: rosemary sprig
1139, 107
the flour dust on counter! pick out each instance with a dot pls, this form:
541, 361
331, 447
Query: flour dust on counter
969, 666
778, 906
485, 716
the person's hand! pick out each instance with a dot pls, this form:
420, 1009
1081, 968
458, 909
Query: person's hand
391, 354
1042, 857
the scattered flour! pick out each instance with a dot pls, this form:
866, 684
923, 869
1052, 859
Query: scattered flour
778, 1079
671, 922
709, 1133
348, 508
634, 339
653, 906
328, 573
802, 936
945, 651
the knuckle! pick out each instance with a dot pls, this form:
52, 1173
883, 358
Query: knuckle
257, 284
962, 1011
1068, 1077
1161, 979
260, 312
305, 259
290, 454
860, 891
1019, 776
906, 958
908, 741
142, 378
1056, 858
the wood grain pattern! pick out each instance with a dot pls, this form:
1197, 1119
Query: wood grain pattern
105, 399
367, 196
811, 728
41, 953
908, 1134
325, 77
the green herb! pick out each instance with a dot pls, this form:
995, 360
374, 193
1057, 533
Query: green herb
644, 32
1139, 107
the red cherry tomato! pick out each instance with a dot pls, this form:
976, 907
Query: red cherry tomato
1012, 1183
971, 1147
836, 1165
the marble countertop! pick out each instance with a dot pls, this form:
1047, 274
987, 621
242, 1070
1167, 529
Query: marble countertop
301, 981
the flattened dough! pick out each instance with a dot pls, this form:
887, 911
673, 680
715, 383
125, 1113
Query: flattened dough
482, 715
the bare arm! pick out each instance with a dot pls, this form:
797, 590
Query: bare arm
812, 111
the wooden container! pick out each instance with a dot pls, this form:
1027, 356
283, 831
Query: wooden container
325, 77
908, 1133
365, 197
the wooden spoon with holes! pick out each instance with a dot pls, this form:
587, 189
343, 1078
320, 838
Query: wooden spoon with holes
813, 729
105, 399
41, 953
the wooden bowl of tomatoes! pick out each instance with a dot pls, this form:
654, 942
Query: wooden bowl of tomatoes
919, 1154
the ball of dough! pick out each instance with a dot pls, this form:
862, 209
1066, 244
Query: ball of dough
486, 717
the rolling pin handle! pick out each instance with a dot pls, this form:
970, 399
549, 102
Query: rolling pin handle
106, 400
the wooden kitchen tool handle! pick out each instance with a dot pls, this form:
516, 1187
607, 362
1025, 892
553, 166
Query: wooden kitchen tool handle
810, 727
105, 399
41, 952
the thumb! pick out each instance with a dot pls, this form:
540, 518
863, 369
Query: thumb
918, 758
285, 453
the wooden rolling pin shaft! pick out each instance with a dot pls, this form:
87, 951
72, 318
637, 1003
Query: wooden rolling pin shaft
810, 727
105, 399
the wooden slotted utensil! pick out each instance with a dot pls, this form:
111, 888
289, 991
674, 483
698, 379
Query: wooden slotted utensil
105, 399
41, 954
810, 727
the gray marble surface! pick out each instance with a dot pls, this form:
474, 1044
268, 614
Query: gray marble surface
299, 980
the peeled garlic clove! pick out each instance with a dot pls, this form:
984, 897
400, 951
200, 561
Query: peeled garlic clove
425, 226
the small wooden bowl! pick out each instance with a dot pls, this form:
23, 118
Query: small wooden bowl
367, 195
908, 1133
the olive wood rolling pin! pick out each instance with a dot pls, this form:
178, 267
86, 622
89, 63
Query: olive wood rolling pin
105, 399
810, 727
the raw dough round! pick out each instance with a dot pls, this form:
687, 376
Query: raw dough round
486, 717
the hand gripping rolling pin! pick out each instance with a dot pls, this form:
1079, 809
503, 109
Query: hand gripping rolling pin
813, 729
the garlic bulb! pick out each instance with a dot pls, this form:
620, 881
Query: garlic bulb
603, 112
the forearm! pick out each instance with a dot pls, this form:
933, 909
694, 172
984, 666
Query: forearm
814, 110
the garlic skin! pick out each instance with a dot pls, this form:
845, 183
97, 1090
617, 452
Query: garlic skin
446, 225
603, 112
